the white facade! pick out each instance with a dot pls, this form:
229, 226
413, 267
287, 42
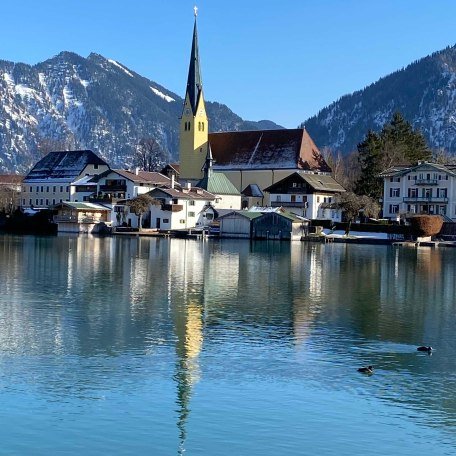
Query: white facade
227, 202
311, 206
423, 189
180, 208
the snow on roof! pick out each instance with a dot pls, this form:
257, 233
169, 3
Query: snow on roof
64, 165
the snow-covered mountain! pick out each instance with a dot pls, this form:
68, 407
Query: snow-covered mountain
90, 103
424, 92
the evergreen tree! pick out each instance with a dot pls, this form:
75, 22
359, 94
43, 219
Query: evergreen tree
397, 144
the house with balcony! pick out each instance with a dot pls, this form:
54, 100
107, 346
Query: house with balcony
49, 181
424, 188
181, 208
78, 217
307, 195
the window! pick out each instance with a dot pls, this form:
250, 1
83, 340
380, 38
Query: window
54, 188
278, 198
47, 202
191, 203
209, 216
394, 208
41, 202
191, 214
202, 126
23, 202
181, 221
165, 220
395, 192
199, 126
95, 166
68, 189
395, 179
412, 192
36, 202
42, 189
318, 199
47, 189
53, 201
61, 188
30, 202
441, 192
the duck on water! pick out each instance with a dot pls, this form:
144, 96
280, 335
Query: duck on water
425, 349
366, 370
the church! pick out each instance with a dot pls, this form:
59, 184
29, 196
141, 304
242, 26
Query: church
248, 159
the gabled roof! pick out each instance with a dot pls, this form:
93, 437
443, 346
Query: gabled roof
171, 166
218, 184
183, 193
318, 182
83, 206
247, 214
64, 165
252, 190
399, 170
144, 177
266, 149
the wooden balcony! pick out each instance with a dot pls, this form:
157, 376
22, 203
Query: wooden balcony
426, 182
301, 204
172, 207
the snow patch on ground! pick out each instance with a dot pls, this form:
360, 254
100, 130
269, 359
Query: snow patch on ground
162, 95
354, 234
120, 66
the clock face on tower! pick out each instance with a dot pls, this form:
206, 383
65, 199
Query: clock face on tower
187, 112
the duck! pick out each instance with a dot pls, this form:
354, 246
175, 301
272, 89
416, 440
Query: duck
425, 349
366, 370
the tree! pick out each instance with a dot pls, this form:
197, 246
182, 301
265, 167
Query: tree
150, 156
397, 143
139, 205
352, 204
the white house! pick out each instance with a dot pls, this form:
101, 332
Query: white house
181, 208
425, 188
80, 217
49, 181
307, 195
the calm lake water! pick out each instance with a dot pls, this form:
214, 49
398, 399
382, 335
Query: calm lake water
162, 347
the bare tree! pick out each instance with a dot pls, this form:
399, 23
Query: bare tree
141, 204
443, 157
345, 169
9, 197
352, 204
46, 145
150, 156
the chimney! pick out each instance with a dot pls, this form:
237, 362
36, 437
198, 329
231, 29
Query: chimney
189, 185
136, 170
172, 180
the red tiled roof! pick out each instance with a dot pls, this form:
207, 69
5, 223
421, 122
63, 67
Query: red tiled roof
266, 149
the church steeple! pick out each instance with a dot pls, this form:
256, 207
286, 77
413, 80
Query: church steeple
194, 123
194, 82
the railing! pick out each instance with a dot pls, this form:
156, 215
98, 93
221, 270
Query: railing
428, 200
113, 188
172, 207
426, 182
104, 199
289, 204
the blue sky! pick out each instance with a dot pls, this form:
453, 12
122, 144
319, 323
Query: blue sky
278, 60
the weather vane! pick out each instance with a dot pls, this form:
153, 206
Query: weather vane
195, 9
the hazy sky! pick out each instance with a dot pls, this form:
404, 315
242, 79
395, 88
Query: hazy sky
278, 60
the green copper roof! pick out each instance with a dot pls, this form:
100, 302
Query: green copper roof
218, 184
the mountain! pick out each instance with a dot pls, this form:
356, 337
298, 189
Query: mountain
93, 103
424, 92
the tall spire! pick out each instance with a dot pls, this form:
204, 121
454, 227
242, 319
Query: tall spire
194, 82
207, 168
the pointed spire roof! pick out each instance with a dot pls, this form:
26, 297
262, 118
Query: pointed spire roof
207, 167
194, 81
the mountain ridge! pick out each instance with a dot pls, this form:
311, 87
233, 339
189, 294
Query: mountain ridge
423, 91
73, 102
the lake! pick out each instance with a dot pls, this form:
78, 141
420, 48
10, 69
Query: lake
159, 346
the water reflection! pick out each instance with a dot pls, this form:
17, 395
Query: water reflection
120, 311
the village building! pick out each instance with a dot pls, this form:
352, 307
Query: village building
181, 208
308, 195
277, 224
49, 181
84, 217
260, 158
425, 188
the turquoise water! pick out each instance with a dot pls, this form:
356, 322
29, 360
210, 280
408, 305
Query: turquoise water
153, 346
